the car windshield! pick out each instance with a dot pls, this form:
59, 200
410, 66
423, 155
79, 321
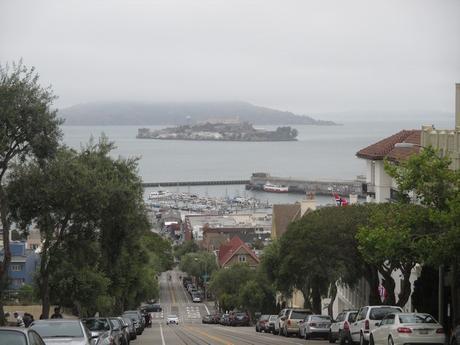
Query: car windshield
352, 316
296, 314
57, 329
12, 338
97, 325
172, 316
273, 317
320, 318
381, 312
416, 318
264, 317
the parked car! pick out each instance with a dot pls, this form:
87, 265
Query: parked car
224, 319
262, 323
279, 323
270, 327
137, 319
455, 339
54, 331
315, 326
340, 327
238, 319
101, 327
207, 319
20, 336
292, 320
366, 321
124, 330
118, 330
172, 319
152, 308
405, 328
131, 327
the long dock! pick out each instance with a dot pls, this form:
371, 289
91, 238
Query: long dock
257, 181
196, 183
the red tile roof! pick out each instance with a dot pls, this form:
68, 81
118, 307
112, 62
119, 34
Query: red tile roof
227, 250
386, 148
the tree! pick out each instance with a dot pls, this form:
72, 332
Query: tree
198, 264
90, 213
185, 248
393, 240
320, 251
29, 129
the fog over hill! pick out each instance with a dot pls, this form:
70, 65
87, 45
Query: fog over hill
171, 113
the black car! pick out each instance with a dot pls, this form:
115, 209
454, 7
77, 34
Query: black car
239, 319
152, 308
137, 319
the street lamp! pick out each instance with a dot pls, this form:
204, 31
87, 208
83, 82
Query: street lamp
441, 267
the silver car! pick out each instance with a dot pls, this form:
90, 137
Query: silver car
315, 326
60, 331
19, 336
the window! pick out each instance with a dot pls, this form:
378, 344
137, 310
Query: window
16, 267
242, 258
362, 314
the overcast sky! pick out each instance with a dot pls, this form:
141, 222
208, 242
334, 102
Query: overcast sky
306, 56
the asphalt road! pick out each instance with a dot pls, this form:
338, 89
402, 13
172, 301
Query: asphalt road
190, 331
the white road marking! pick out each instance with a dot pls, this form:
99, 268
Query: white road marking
162, 336
206, 307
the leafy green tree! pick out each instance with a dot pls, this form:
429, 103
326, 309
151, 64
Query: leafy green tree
198, 264
91, 197
320, 250
29, 129
185, 248
393, 240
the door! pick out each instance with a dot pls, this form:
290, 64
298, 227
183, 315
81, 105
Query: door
358, 324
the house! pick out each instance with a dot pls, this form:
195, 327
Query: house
214, 237
380, 187
236, 251
24, 263
284, 214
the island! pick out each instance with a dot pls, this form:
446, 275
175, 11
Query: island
222, 131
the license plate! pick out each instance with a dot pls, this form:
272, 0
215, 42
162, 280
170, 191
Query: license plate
322, 325
423, 331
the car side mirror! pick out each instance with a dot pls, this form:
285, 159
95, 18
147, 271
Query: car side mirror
378, 324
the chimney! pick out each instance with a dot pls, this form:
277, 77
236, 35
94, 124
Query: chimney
457, 105
308, 204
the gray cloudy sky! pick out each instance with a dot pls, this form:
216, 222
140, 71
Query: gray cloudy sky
306, 56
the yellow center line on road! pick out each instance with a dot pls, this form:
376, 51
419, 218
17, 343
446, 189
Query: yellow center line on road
220, 340
171, 292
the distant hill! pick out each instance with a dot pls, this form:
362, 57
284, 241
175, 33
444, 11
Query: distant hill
168, 113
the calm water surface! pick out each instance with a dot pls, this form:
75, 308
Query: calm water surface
320, 153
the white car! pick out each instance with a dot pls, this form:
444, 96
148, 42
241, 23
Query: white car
367, 319
172, 319
405, 328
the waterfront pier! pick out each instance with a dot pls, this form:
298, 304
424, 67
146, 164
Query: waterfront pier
257, 181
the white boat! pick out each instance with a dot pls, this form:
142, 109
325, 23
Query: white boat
160, 194
273, 188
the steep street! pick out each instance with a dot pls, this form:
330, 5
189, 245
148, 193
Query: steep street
190, 331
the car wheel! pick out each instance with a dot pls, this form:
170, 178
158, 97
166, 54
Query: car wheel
285, 333
362, 341
390, 341
331, 338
